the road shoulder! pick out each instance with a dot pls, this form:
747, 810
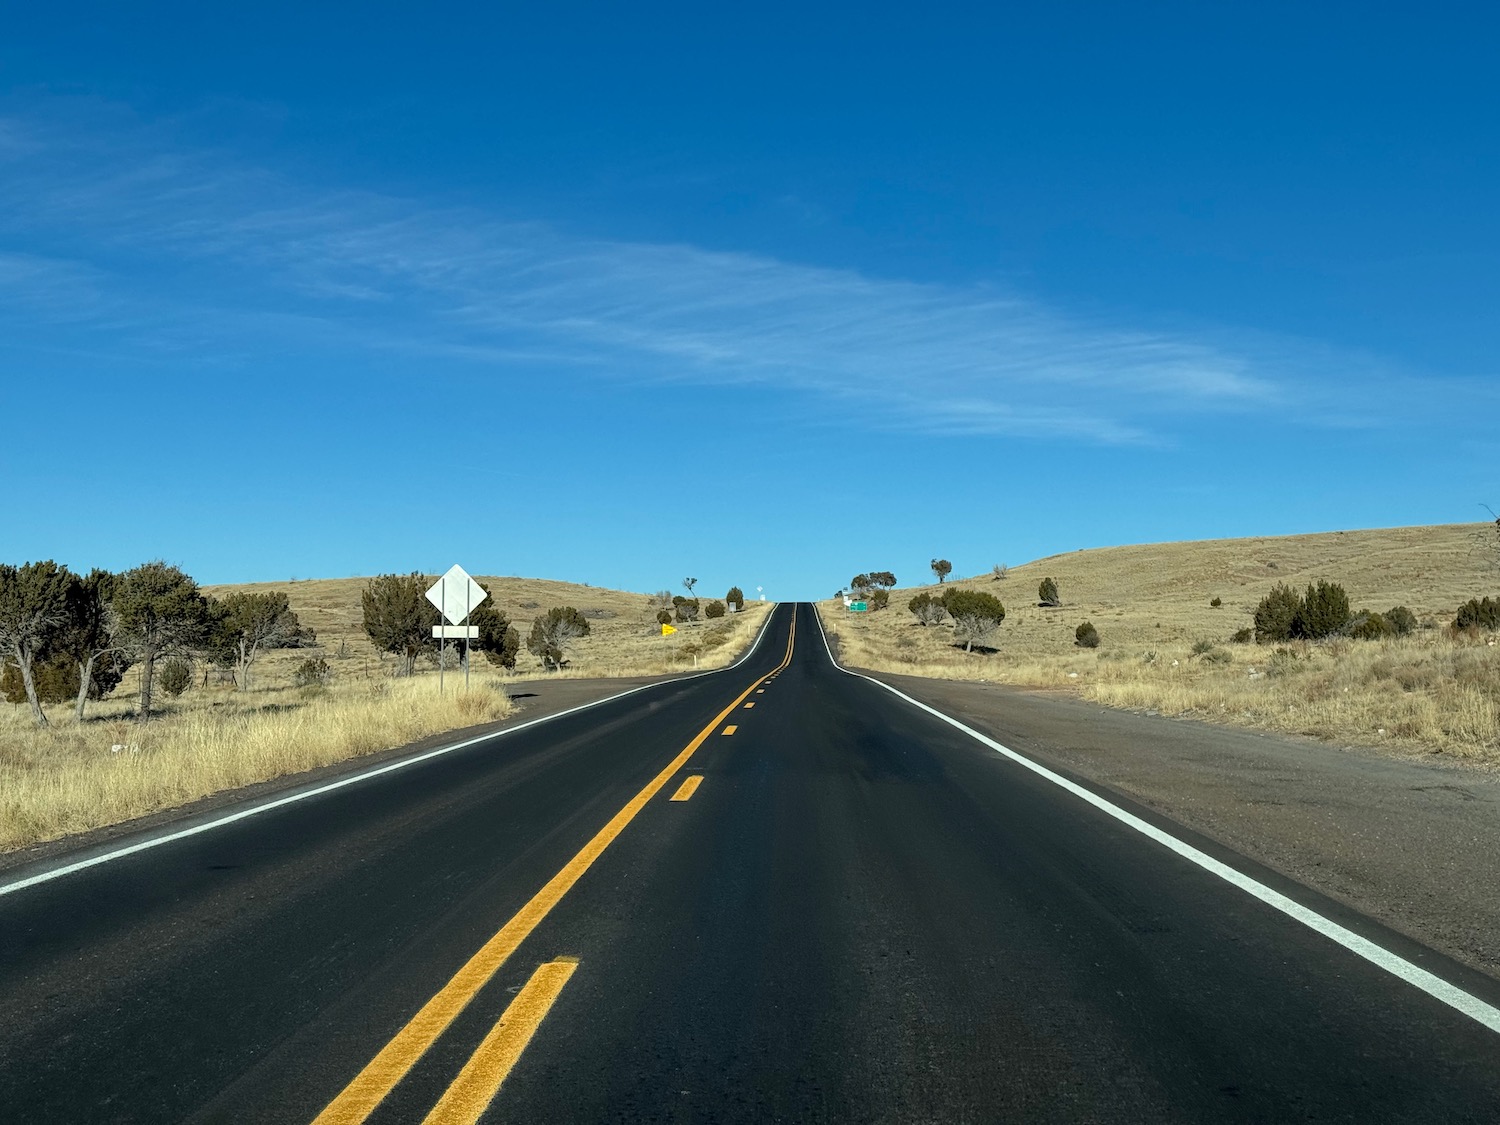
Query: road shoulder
1413, 844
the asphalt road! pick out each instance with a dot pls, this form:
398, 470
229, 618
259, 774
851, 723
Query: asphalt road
861, 913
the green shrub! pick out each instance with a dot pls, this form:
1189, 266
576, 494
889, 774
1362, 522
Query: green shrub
713, 610
1478, 613
398, 618
56, 681
498, 638
1243, 636
1201, 646
879, 598
686, 608
551, 634
11, 684
1324, 612
1401, 620
975, 615
1086, 636
1217, 656
176, 676
1276, 615
1367, 626
1216, 603
313, 672
1047, 594
664, 617
928, 609
735, 599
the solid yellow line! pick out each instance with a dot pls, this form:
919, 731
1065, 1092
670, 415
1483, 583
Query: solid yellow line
379, 1077
730, 729
479, 1081
688, 787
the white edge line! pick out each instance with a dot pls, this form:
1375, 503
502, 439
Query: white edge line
364, 775
1397, 966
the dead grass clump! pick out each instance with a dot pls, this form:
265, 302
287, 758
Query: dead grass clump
1424, 692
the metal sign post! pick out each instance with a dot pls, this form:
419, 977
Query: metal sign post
455, 588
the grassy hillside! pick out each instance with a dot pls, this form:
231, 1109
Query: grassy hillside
624, 637
1151, 606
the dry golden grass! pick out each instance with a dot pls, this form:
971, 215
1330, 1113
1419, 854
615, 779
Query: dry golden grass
71, 778
67, 778
1151, 604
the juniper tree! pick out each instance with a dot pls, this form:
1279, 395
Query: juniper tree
864, 585
160, 611
247, 623
1325, 611
398, 618
553, 632
975, 614
928, 609
33, 611
1276, 614
498, 638
88, 638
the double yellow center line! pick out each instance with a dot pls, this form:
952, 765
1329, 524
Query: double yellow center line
379, 1077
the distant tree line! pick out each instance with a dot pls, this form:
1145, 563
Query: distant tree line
670, 608
873, 588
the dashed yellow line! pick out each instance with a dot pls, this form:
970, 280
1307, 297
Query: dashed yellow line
750, 705
688, 787
729, 729
479, 1081
391, 1064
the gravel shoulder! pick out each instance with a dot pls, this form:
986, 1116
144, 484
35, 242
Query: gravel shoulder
1413, 844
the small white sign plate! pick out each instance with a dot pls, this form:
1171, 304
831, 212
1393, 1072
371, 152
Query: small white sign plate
456, 594
455, 632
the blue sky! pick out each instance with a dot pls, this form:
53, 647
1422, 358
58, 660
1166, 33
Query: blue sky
764, 296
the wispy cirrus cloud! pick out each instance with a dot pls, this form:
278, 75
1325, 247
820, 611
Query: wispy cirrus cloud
101, 213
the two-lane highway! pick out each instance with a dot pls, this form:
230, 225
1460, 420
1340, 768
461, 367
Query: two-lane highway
777, 892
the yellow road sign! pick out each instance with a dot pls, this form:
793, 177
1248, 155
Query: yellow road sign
668, 630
